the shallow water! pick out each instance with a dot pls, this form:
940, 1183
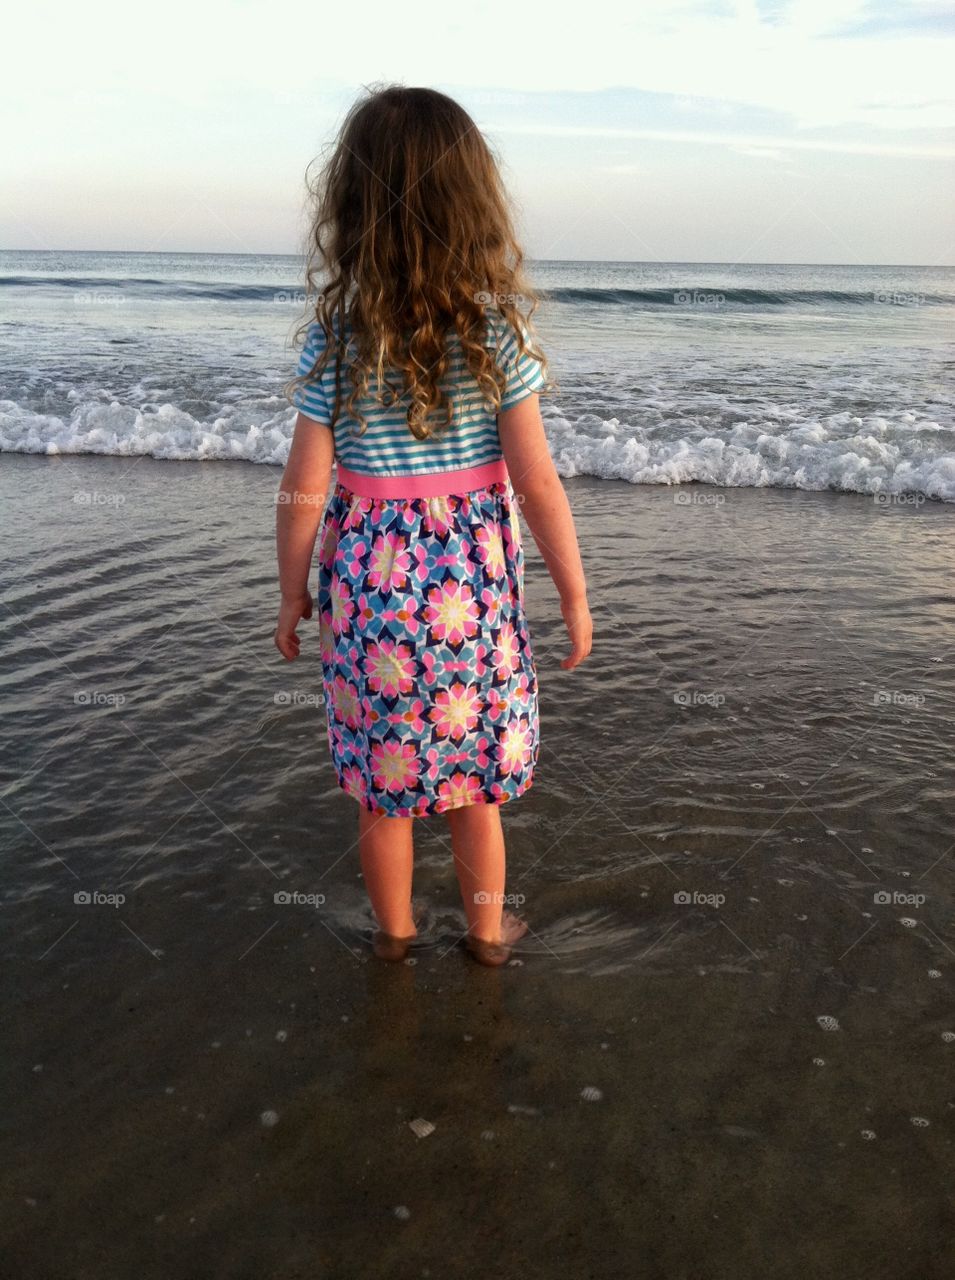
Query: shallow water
741, 825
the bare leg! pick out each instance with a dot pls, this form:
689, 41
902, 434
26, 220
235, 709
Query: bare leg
478, 844
386, 850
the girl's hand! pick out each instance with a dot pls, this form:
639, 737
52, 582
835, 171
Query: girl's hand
580, 628
291, 612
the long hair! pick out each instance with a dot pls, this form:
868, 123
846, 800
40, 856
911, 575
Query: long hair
412, 240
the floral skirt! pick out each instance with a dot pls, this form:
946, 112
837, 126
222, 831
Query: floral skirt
428, 675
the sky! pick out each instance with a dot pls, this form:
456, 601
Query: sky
820, 131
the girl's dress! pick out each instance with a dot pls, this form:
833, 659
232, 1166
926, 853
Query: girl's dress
429, 680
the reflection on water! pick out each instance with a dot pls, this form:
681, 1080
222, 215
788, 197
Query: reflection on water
734, 1001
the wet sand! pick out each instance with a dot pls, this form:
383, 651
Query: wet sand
724, 1049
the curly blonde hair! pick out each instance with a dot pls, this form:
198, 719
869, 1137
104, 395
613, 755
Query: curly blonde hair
412, 231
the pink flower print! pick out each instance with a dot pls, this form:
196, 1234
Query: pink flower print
436, 517
390, 668
326, 637
498, 705
460, 789
478, 664
354, 781
507, 657
412, 716
456, 710
435, 761
365, 612
404, 616
390, 562
420, 571
345, 702
394, 765
491, 602
515, 746
358, 508
342, 606
490, 550
328, 547
521, 689
452, 612
353, 557
430, 673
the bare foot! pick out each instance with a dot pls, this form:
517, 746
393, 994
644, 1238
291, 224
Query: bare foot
388, 946
495, 952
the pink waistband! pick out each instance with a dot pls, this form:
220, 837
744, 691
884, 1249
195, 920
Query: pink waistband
432, 484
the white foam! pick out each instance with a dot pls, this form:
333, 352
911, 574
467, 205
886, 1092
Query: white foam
872, 455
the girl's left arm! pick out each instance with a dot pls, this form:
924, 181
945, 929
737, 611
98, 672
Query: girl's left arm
299, 505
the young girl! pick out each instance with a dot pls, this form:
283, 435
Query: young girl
418, 380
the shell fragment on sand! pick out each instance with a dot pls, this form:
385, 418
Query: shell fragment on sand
421, 1128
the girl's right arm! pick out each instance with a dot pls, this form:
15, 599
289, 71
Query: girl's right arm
544, 503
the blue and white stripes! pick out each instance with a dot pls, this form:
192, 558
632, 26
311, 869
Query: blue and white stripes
387, 446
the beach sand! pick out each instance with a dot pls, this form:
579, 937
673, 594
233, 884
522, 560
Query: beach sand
725, 1048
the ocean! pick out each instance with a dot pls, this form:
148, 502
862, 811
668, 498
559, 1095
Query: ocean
807, 377
723, 1049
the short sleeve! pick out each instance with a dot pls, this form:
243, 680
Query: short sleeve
524, 374
309, 397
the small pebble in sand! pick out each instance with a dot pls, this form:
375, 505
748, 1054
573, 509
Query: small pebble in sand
468, 1039
269, 1118
934, 973
518, 1109
281, 1036
488, 1135
30, 1201
828, 1022
868, 1134
831, 832
818, 1062
908, 922
591, 1094
216, 1044
402, 1212
758, 786
920, 1122
38, 1068
170, 1088
421, 1128
410, 961
948, 1036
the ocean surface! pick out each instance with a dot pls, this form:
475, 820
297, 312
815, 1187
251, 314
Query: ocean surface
807, 377
724, 1050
